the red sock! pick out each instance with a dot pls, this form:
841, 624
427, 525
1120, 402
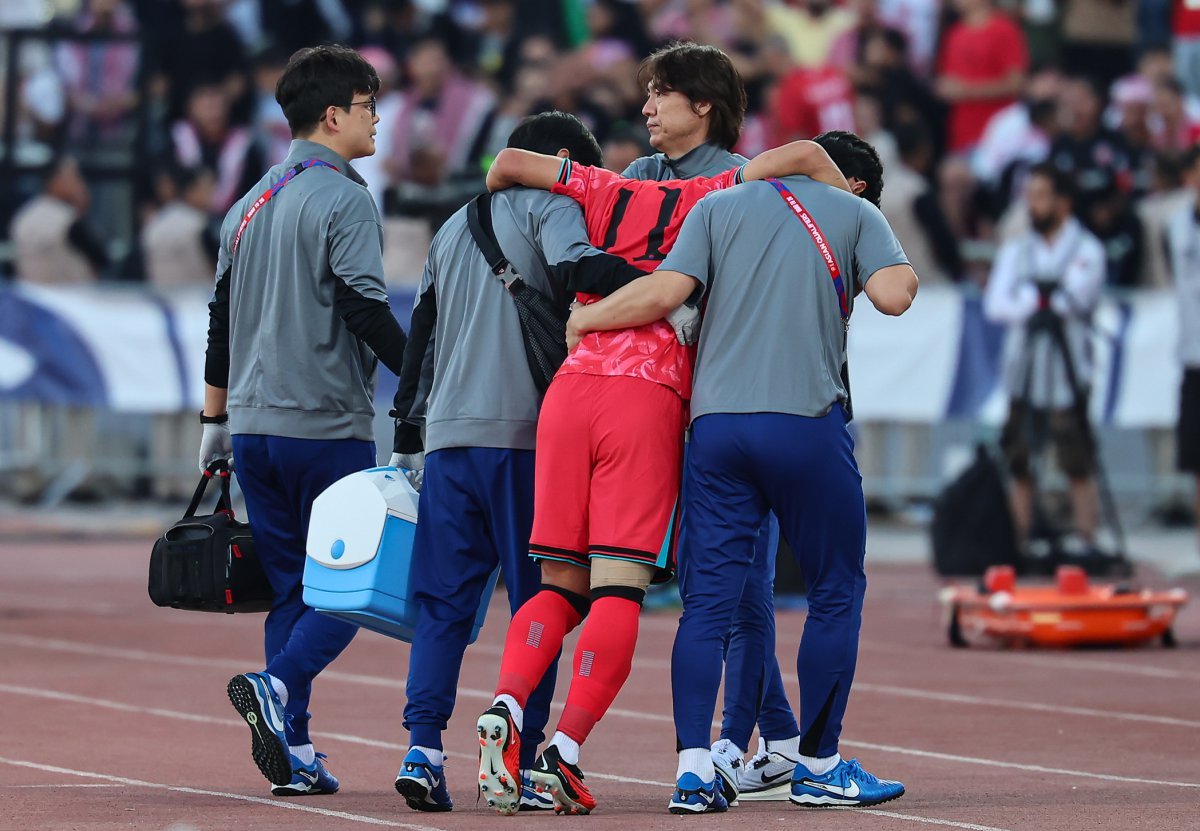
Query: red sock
603, 658
534, 638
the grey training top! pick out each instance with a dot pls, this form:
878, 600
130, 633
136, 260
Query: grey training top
482, 394
706, 160
772, 339
295, 369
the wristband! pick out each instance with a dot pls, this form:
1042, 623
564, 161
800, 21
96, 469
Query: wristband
217, 419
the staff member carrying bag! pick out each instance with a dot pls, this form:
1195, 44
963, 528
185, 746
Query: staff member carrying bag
297, 321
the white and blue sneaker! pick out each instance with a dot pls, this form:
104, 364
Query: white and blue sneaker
423, 784
256, 702
727, 760
846, 785
531, 798
694, 796
767, 777
308, 780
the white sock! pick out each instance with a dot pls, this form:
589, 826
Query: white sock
518, 712
821, 765
303, 752
435, 757
788, 747
697, 760
280, 689
568, 748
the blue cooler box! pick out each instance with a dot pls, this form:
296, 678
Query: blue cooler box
359, 564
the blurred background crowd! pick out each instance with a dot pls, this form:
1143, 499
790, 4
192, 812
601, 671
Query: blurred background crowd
128, 127
148, 118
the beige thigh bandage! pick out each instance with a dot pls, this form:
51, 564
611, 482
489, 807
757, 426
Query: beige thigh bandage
606, 572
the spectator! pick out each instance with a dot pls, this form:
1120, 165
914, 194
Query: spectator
388, 103
206, 138
1185, 44
1185, 264
1156, 211
905, 96
1172, 129
204, 50
100, 76
54, 243
1132, 97
965, 207
1099, 37
810, 27
1087, 150
981, 70
1108, 215
293, 24
440, 115
270, 128
919, 22
180, 243
913, 210
811, 101
1016, 132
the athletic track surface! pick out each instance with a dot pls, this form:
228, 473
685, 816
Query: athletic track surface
113, 715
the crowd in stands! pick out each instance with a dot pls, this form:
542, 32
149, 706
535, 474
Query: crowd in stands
961, 97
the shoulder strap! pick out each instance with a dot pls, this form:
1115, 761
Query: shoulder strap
479, 222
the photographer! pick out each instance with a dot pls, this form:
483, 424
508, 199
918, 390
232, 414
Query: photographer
1046, 283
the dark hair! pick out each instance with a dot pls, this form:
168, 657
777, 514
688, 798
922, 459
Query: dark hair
550, 132
319, 77
857, 159
703, 74
1060, 180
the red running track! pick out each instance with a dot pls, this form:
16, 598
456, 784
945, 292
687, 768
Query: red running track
114, 716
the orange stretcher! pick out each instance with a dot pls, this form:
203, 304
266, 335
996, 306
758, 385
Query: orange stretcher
1069, 613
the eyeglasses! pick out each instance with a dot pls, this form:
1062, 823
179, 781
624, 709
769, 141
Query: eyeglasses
369, 104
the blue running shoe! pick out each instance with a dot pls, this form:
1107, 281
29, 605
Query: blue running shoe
847, 785
531, 798
256, 702
693, 796
422, 784
308, 780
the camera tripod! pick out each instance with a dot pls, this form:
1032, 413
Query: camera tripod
1045, 549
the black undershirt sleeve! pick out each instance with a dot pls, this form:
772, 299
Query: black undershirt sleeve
216, 357
598, 274
408, 405
372, 322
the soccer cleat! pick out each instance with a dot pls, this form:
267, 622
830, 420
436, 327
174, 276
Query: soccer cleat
252, 696
728, 762
500, 760
423, 784
308, 780
532, 799
564, 781
847, 784
767, 776
694, 796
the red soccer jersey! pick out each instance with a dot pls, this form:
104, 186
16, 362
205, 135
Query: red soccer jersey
980, 53
637, 220
809, 102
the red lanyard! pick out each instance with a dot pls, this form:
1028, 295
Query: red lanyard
274, 189
822, 244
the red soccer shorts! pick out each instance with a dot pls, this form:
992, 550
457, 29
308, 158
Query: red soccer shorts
607, 471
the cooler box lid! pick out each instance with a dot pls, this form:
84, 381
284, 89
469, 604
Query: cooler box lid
347, 519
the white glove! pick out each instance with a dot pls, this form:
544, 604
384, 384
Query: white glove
685, 320
413, 465
215, 443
